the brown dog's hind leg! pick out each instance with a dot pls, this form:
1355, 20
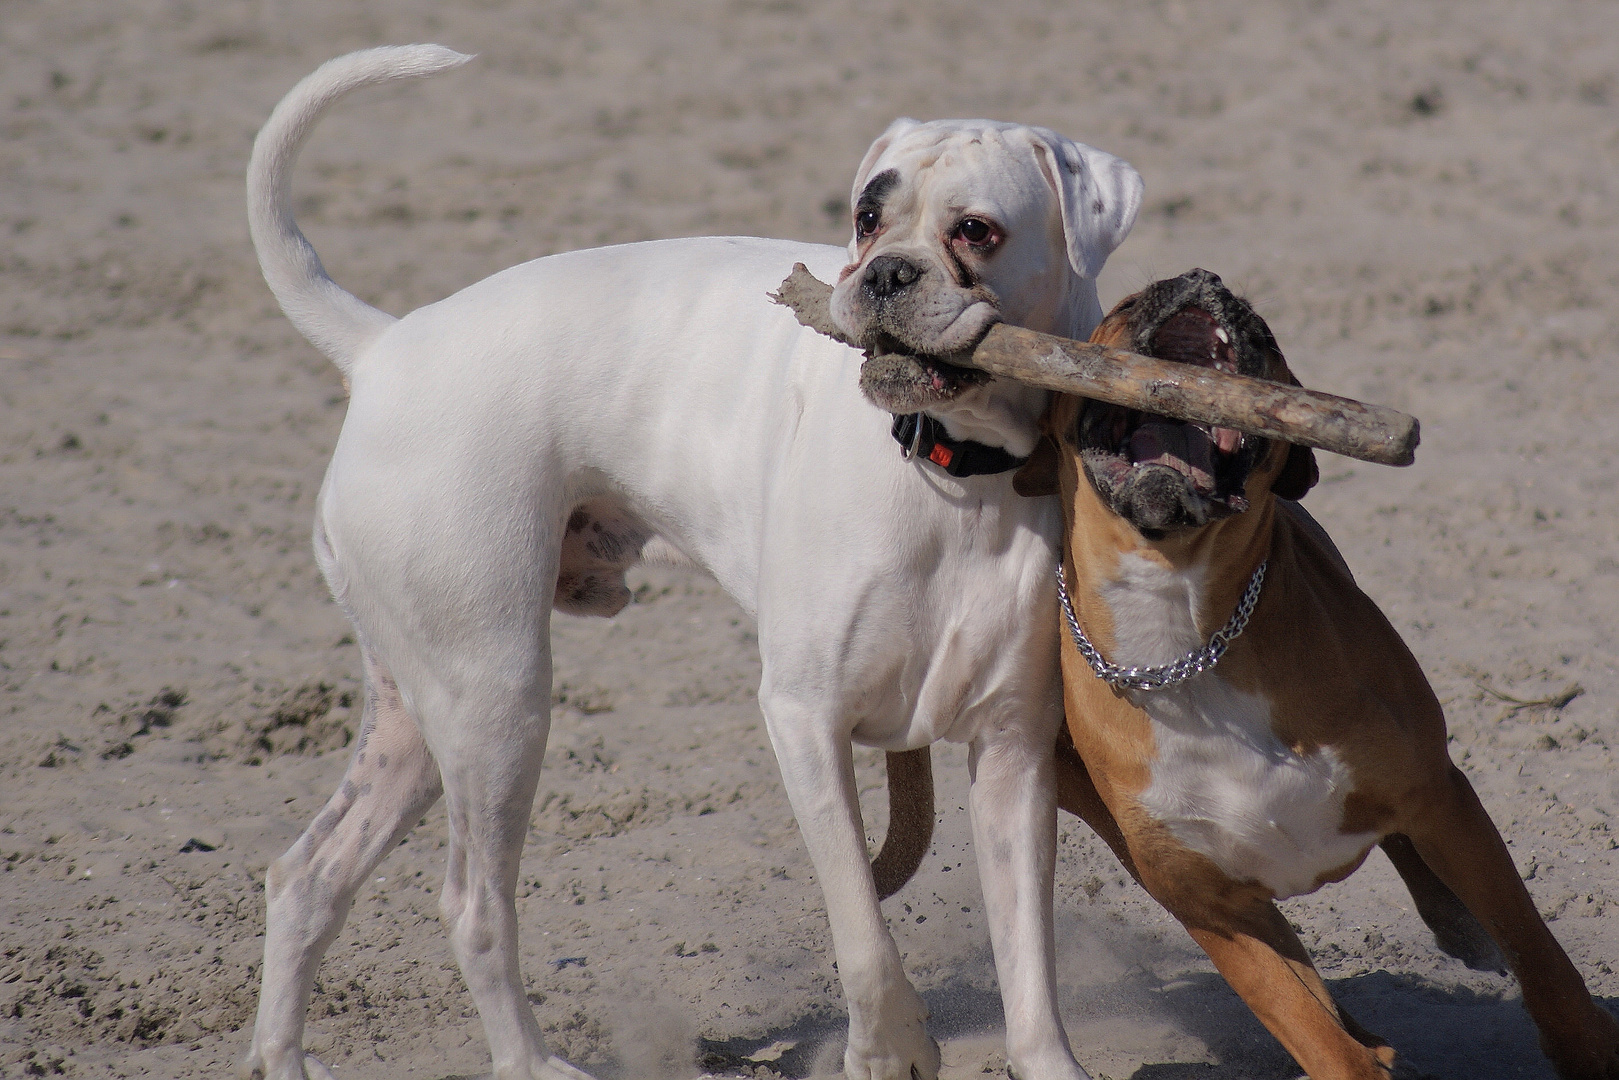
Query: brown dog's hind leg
1456, 930
1456, 838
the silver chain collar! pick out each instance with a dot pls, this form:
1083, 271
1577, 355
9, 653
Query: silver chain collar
1156, 678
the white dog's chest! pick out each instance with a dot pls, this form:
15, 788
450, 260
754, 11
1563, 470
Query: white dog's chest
1220, 780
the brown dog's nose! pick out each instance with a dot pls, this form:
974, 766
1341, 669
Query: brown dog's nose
887, 275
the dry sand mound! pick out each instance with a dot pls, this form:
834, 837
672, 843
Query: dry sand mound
1420, 197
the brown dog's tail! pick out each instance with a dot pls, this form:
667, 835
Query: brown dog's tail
910, 820
910, 812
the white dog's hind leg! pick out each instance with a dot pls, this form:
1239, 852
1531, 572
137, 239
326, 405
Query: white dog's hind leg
888, 1038
1013, 800
390, 782
490, 757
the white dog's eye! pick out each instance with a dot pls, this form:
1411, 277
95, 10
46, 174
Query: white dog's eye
975, 231
865, 222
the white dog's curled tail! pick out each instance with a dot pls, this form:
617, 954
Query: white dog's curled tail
335, 321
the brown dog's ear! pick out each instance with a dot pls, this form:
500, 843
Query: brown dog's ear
1298, 475
1300, 472
1038, 475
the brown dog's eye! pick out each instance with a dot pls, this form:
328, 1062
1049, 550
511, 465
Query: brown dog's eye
975, 231
865, 222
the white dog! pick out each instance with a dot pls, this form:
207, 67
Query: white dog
520, 444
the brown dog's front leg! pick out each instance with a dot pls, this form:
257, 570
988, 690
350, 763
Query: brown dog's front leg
1266, 965
1255, 950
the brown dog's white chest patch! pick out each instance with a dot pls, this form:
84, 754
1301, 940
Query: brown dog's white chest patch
1220, 780
1227, 788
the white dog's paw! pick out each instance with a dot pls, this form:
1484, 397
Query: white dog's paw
552, 1068
903, 1059
1055, 1063
895, 1047
313, 1069
557, 1069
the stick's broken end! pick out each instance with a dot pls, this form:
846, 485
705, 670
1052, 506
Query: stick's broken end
810, 301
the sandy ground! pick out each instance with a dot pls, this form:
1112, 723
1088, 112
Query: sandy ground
1419, 196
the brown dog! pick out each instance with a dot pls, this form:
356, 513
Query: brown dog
1225, 782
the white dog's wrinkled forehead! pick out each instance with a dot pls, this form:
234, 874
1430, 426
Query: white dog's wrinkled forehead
908, 147
991, 162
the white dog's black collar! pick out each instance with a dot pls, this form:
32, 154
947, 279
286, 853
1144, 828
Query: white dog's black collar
920, 435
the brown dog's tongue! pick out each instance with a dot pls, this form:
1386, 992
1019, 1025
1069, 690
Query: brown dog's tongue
1178, 446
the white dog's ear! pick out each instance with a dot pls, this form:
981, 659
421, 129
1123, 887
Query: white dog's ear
1100, 195
895, 131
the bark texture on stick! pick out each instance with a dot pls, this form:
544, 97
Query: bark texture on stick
1162, 387
1202, 395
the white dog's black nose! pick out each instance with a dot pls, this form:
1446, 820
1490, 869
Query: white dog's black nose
887, 275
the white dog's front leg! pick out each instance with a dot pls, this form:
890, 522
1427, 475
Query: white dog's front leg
888, 1038
1014, 815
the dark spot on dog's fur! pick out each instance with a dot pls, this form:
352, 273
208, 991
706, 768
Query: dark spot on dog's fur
602, 540
590, 595
382, 761
608, 546
1158, 501
324, 823
877, 191
964, 277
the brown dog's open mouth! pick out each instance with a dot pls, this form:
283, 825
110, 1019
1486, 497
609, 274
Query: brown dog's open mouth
1163, 474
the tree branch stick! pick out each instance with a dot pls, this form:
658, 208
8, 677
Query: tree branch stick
1292, 414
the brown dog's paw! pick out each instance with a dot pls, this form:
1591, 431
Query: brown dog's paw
1589, 1053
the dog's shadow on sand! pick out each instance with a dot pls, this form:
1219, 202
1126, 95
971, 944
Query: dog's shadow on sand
817, 1044
1441, 1032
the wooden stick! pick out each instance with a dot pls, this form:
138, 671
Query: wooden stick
1202, 395
1341, 425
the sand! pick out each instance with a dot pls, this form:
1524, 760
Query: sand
1419, 197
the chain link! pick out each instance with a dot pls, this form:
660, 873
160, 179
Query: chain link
1156, 678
